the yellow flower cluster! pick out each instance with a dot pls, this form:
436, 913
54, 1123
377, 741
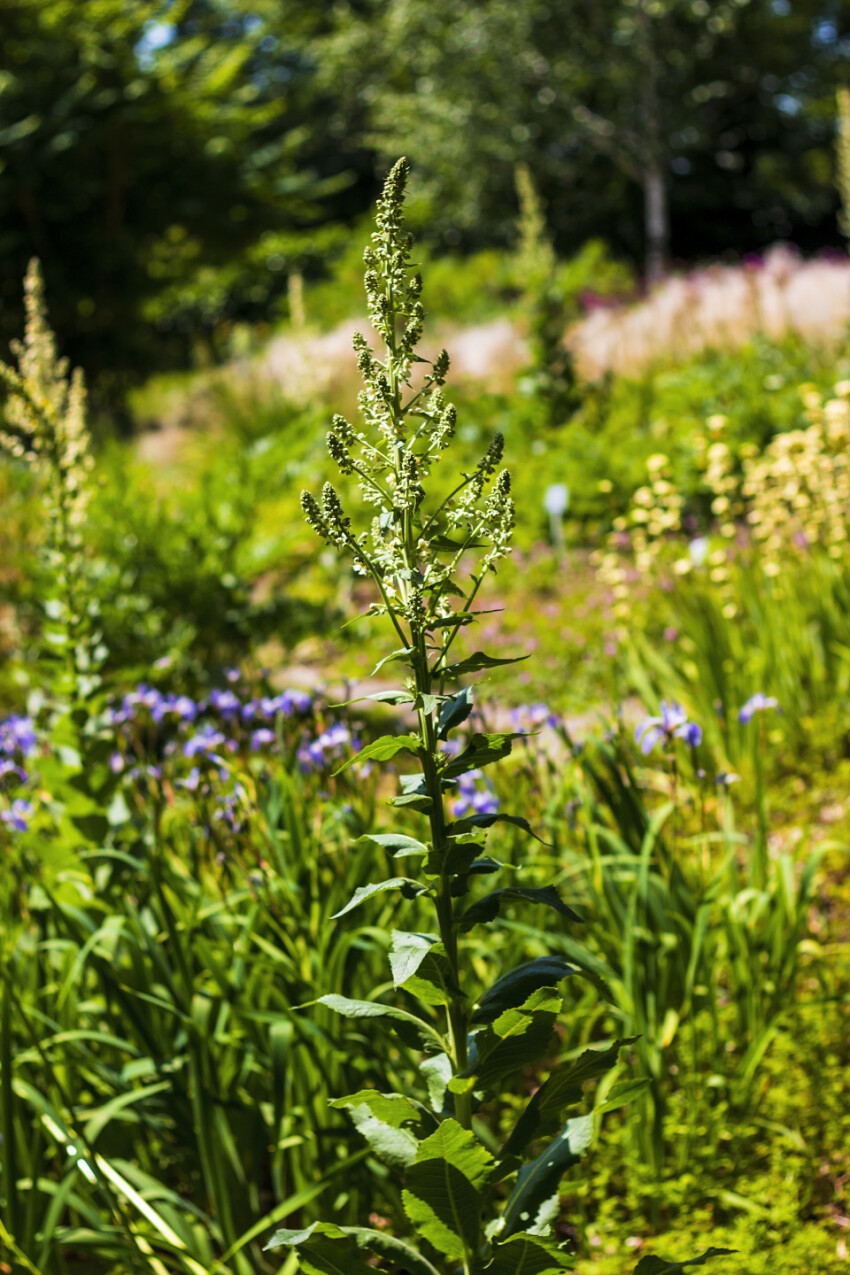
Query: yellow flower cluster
779, 503
798, 490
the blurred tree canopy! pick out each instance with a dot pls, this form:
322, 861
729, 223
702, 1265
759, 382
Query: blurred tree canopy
174, 161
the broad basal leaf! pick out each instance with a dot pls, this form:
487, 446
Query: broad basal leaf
527, 1255
473, 664
487, 909
443, 1189
409, 888
545, 1110
323, 1249
655, 1265
383, 748
517, 1038
399, 1252
538, 1182
512, 988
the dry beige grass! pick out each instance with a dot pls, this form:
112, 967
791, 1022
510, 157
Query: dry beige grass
721, 307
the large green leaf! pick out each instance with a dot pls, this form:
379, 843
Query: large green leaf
323, 1249
512, 988
517, 1038
420, 965
652, 1264
393, 1108
482, 750
393, 1125
545, 1110
409, 888
383, 748
395, 843
454, 711
443, 1189
473, 664
524, 1254
538, 1181
487, 909
412, 1030
487, 821
399, 1252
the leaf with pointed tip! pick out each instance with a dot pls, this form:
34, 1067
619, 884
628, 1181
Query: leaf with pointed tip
412, 801
395, 843
437, 1071
443, 1189
517, 1038
393, 1108
379, 697
482, 750
411, 1029
420, 966
409, 888
403, 653
397, 1251
624, 1092
512, 988
538, 1181
382, 749
545, 1110
454, 711
525, 1254
487, 909
652, 1264
473, 664
487, 821
396, 1147
323, 1249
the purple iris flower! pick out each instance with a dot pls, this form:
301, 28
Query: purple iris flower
758, 703
672, 724
225, 703
17, 816
474, 800
17, 734
116, 763
262, 738
203, 743
8, 768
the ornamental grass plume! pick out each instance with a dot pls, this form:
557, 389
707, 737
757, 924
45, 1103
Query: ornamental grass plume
472, 1201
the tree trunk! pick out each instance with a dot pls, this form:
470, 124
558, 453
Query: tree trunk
657, 223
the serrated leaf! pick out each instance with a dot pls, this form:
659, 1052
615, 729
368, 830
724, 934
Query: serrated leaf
455, 711
482, 750
323, 1249
517, 1038
545, 1110
512, 988
409, 1027
395, 843
525, 1254
487, 909
409, 888
652, 1264
443, 1189
399, 1252
474, 664
487, 821
538, 1181
397, 1147
382, 749
437, 1071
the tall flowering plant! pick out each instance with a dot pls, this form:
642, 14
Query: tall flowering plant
473, 1203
